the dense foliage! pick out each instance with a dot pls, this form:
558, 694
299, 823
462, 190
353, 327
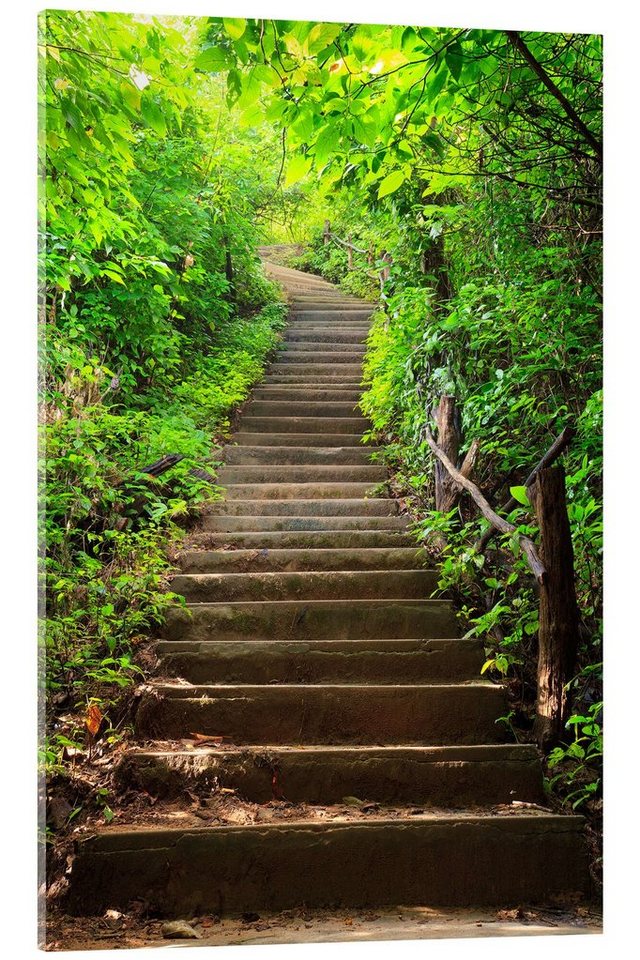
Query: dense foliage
156, 319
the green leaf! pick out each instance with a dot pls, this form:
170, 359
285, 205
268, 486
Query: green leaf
391, 183
454, 60
213, 60
297, 168
520, 494
234, 27
152, 115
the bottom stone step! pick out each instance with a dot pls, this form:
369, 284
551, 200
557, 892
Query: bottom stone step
436, 776
453, 860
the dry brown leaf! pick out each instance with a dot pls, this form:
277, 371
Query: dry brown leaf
205, 738
93, 719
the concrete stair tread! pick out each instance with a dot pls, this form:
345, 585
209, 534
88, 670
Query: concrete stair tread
440, 777
343, 490
241, 454
298, 439
314, 473
312, 584
191, 691
301, 522
371, 558
334, 506
299, 539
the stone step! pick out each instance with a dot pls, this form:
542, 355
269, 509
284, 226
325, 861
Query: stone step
329, 507
318, 409
319, 313
313, 383
312, 620
345, 359
296, 540
252, 561
321, 661
315, 347
312, 302
302, 334
305, 585
249, 438
350, 456
305, 491
453, 860
325, 371
450, 776
427, 714
236, 524
286, 424
304, 394
301, 473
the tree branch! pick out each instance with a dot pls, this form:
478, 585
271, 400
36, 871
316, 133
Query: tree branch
526, 545
539, 70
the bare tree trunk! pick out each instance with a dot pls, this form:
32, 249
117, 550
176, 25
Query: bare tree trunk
447, 491
558, 632
326, 232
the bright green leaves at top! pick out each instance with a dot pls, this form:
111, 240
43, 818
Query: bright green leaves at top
391, 183
153, 116
234, 27
297, 168
214, 60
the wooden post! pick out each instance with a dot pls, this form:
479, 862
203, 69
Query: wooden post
349, 253
449, 436
558, 631
326, 232
370, 257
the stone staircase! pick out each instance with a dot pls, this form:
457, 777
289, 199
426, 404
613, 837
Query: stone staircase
310, 643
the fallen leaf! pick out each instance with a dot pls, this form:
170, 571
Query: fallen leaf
93, 719
205, 738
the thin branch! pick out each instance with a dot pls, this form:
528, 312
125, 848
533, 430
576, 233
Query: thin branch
527, 546
560, 444
538, 69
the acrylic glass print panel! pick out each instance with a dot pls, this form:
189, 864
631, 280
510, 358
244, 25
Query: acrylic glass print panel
320, 411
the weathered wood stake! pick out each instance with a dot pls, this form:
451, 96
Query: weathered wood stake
326, 232
447, 491
558, 631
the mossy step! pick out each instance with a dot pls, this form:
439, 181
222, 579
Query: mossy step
428, 714
449, 776
312, 620
304, 585
302, 523
270, 561
328, 507
321, 661
301, 473
309, 539
454, 860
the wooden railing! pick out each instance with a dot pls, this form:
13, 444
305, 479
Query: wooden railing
383, 256
551, 564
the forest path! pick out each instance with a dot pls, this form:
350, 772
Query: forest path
362, 764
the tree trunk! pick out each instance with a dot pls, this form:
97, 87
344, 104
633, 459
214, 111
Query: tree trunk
447, 491
558, 632
326, 233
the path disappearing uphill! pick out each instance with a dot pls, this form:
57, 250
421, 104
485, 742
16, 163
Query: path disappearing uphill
310, 643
